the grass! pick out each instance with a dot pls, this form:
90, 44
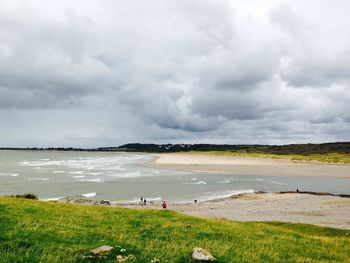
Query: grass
325, 158
36, 231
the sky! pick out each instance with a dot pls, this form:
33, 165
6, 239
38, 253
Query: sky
90, 73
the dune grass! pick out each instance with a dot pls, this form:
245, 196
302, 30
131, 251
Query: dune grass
325, 158
36, 231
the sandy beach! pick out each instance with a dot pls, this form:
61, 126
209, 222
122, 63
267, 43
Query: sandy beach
296, 208
331, 211
247, 166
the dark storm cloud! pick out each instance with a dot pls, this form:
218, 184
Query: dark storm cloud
89, 73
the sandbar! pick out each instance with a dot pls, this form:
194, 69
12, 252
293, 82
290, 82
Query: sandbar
246, 165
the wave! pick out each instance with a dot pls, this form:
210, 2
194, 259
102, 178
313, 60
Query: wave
215, 196
126, 175
94, 180
75, 172
9, 174
153, 199
77, 176
116, 166
274, 182
259, 179
137, 200
97, 173
200, 182
39, 179
89, 194
52, 198
224, 182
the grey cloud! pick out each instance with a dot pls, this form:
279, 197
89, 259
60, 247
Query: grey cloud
110, 72
315, 52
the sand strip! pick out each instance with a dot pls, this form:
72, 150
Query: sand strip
331, 211
246, 166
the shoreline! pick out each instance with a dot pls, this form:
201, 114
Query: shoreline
317, 208
236, 165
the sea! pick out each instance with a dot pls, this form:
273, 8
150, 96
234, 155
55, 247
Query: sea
123, 177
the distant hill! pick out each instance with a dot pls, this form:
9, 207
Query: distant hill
297, 149
337, 147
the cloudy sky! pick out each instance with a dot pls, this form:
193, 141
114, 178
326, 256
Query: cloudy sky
89, 73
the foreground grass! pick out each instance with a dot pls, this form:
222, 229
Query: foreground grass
35, 231
325, 158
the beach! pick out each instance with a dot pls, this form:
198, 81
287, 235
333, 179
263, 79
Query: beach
322, 210
202, 163
225, 187
292, 207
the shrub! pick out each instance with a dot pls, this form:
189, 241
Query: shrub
27, 196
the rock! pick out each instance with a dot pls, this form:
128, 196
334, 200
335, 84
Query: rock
82, 201
102, 250
121, 258
105, 202
202, 254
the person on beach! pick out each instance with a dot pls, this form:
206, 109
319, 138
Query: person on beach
164, 205
141, 200
144, 201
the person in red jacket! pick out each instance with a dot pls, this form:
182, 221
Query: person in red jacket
164, 205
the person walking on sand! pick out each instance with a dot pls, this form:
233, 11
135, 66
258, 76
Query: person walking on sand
141, 200
144, 201
164, 205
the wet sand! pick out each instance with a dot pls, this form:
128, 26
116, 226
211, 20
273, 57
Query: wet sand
247, 166
331, 211
322, 210
296, 208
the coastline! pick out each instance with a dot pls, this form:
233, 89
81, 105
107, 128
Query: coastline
322, 210
315, 208
236, 165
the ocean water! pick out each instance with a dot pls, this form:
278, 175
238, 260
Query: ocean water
122, 177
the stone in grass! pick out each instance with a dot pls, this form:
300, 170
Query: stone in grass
202, 254
122, 258
102, 250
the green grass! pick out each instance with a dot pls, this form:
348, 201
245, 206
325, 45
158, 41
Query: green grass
325, 158
35, 231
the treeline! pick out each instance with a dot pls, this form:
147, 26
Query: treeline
300, 149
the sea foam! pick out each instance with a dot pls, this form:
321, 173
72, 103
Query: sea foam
89, 194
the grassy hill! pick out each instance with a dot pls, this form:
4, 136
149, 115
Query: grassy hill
338, 152
324, 158
35, 231
335, 152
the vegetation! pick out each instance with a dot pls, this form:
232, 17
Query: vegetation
36, 231
291, 149
27, 196
337, 152
326, 158
327, 152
